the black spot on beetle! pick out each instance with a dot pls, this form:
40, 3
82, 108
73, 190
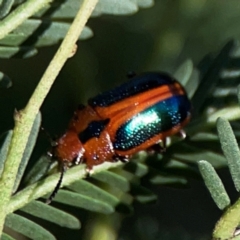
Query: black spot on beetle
93, 129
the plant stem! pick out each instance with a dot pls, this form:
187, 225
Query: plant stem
25, 118
20, 14
47, 185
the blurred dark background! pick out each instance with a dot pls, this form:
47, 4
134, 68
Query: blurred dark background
157, 38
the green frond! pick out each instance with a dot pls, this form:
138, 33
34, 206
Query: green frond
38, 171
108, 191
93, 191
51, 214
5, 7
142, 194
114, 188
50, 24
191, 153
210, 71
230, 149
83, 201
184, 72
113, 179
214, 184
136, 168
226, 227
27, 227
6, 237
238, 94
5, 81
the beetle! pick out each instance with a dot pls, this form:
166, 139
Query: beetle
118, 123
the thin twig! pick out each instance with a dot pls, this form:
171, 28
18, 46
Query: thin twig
47, 185
25, 118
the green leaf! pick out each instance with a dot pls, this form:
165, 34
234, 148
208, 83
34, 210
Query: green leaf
38, 171
115, 7
27, 227
173, 174
191, 154
205, 136
88, 189
131, 178
20, 52
184, 72
28, 150
167, 180
142, 194
6, 237
4, 150
231, 113
5, 81
193, 83
60, 9
51, 214
211, 77
50, 24
145, 3
136, 168
82, 201
230, 149
50, 33
113, 180
68, 9
238, 93
214, 184
5, 7
227, 73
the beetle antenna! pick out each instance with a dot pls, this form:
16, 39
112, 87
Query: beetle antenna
63, 170
48, 136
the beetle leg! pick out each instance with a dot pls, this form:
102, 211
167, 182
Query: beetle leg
79, 159
49, 154
158, 148
182, 134
123, 159
89, 171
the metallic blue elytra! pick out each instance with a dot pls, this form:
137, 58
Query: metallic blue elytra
161, 117
138, 84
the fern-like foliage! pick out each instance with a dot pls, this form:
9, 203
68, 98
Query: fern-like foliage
116, 189
227, 226
51, 23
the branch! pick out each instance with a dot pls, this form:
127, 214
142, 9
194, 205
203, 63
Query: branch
47, 185
25, 118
